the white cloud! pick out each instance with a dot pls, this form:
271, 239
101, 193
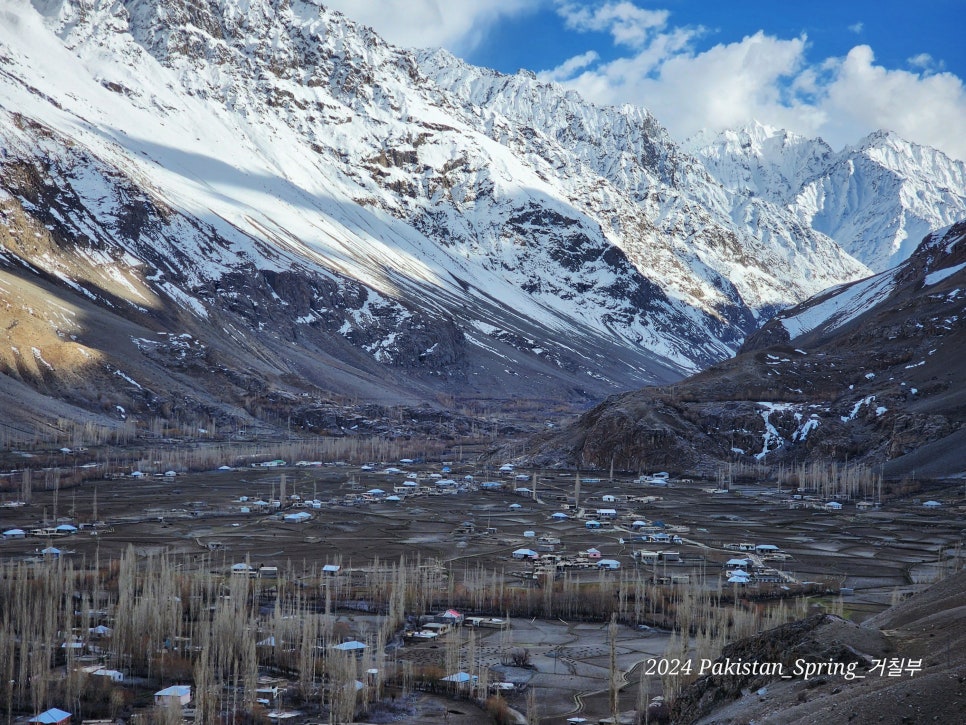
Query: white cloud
926, 62
857, 28
458, 25
628, 24
925, 108
767, 79
724, 86
571, 66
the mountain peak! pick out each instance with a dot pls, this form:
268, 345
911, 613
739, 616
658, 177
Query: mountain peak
876, 198
883, 136
750, 137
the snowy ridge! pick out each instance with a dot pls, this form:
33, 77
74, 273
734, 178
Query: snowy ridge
935, 261
877, 199
277, 172
840, 306
607, 154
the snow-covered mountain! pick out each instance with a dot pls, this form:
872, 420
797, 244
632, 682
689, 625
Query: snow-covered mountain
321, 212
877, 198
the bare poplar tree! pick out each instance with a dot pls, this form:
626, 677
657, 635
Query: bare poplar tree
615, 673
533, 715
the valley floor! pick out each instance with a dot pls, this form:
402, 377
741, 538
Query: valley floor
459, 525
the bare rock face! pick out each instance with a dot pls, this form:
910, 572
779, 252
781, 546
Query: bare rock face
827, 643
903, 665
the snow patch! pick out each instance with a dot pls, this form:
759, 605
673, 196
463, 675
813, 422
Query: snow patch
857, 407
940, 274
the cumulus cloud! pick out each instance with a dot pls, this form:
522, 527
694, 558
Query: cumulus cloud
724, 86
763, 78
571, 66
628, 24
458, 26
926, 62
925, 108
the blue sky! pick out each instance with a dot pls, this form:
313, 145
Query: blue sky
838, 70
539, 39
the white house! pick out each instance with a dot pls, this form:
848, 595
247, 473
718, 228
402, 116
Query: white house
243, 569
14, 534
525, 554
277, 463
608, 564
351, 646
179, 694
114, 675
833, 506
932, 504
766, 549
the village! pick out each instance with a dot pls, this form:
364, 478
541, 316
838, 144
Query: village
323, 591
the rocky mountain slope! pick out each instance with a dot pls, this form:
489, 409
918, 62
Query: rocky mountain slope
877, 198
918, 641
237, 209
869, 372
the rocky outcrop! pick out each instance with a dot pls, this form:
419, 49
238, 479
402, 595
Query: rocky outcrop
903, 665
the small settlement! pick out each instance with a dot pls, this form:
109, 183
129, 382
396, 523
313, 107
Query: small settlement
470, 551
